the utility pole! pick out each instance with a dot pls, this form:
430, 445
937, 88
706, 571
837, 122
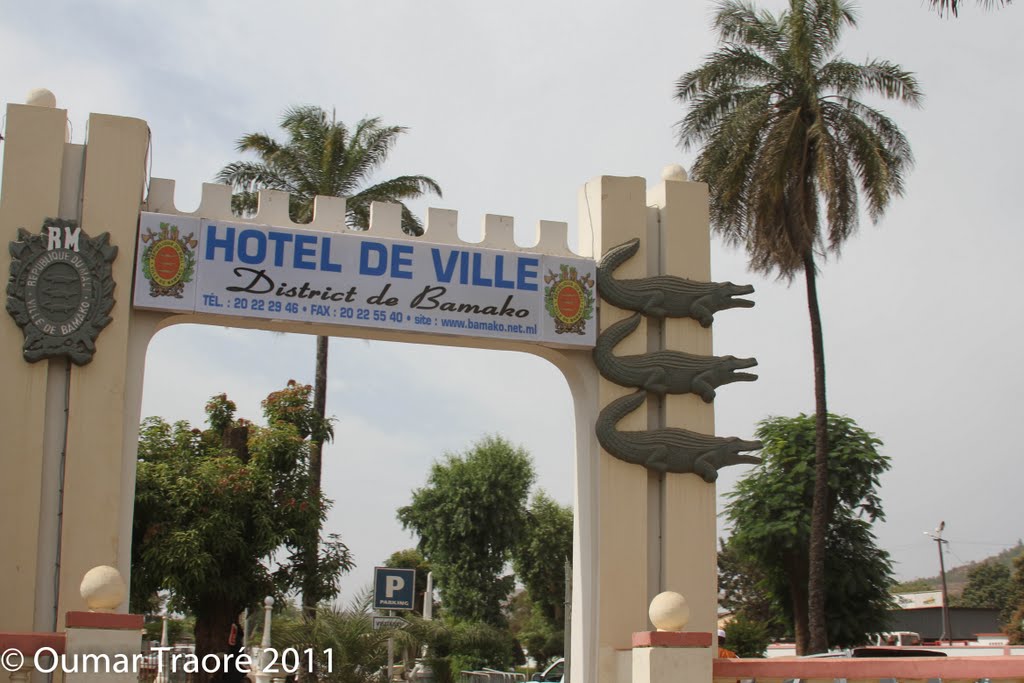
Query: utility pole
947, 632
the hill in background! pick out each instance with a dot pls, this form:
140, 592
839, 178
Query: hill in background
956, 578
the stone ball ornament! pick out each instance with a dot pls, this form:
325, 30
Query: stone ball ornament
674, 172
103, 589
669, 611
41, 97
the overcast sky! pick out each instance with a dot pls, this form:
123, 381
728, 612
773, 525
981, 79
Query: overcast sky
511, 108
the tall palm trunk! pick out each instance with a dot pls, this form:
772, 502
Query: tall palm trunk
796, 565
819, 510
309, 596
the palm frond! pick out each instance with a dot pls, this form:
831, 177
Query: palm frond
248, 175
828, 18
739, 22
953, 6
876, 76
728, 68
322, 156
260, 143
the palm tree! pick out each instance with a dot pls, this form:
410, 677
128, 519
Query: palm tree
787, 150
952, 6
323, 156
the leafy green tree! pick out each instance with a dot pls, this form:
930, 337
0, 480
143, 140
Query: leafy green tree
1015, 627
469, 517
543, 639
770, 511
787, 148
988, 586
412, 558
323, 156
953, 6
742, 592
211, 506
539, 558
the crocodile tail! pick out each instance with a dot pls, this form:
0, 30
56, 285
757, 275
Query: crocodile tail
607, 435
604, 356
607, 286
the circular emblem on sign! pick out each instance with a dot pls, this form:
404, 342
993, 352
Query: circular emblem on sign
60, 291
569, 299
168, 261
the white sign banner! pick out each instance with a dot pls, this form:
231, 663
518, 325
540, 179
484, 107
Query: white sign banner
388, 622
255, 271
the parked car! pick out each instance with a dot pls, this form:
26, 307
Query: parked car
552, 674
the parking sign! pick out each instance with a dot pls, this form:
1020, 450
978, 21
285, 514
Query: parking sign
394, 588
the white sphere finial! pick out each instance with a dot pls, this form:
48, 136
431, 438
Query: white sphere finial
103, 589
268, 601
669, 611
41, 97
673, 172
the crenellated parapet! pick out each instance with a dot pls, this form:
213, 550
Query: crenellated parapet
329, 215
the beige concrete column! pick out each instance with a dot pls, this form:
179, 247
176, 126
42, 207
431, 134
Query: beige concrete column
688, 505
96, 488
33, 158
615, 209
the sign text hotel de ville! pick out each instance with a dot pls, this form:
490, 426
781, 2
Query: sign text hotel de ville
240, 269
61, 292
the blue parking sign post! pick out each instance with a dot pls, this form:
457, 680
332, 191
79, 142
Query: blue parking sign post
394, 588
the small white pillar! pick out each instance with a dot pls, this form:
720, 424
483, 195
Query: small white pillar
671, 654
260, 676
428, 598
101, 631
161, 671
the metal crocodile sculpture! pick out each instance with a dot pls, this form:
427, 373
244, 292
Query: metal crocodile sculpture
666, 296
666, 372
670, 449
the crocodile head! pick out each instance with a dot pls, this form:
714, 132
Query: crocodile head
725, 371
733, 453
725, 296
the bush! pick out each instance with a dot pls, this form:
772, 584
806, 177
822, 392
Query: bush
746, 638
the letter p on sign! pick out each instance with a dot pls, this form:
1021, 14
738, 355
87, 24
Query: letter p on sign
393, 584
394, 589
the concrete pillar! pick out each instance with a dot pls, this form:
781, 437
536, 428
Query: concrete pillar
688, 506
104, 410
615, 209
33, 159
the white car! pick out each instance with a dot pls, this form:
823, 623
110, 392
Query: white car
552, 674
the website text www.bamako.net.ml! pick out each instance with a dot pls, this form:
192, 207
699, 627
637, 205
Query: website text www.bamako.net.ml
504, 328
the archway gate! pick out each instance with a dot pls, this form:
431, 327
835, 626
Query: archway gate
67, 464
